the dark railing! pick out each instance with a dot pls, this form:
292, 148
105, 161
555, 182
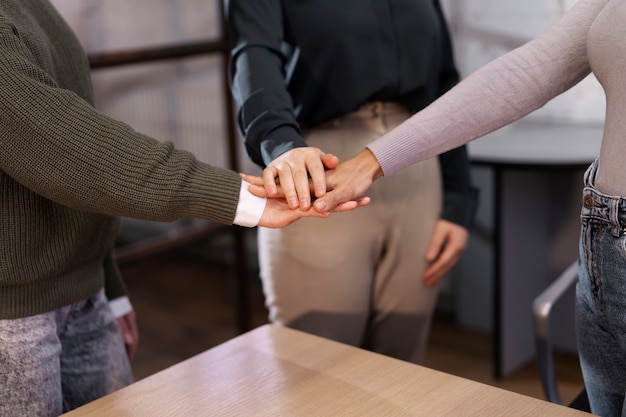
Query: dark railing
186, 235
184, 50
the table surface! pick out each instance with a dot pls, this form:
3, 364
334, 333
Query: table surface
276, 371
528, 142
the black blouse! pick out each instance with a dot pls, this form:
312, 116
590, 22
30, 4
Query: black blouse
310, 61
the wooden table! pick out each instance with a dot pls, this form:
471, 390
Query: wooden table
276, 371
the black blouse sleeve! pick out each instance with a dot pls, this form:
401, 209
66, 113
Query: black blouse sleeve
460, 196
258, 79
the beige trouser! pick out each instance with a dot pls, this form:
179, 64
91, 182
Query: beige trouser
356, 277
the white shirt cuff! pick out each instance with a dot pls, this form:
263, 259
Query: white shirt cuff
250, 207
120, 306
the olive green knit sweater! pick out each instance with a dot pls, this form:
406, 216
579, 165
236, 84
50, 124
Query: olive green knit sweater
67, 171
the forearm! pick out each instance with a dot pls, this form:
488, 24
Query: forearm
77, 157
265, 115
54, 143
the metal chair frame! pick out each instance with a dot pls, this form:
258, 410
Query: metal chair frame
541, 309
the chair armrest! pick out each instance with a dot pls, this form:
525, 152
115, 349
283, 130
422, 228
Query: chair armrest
542, 307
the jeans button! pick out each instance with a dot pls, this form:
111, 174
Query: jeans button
588, 201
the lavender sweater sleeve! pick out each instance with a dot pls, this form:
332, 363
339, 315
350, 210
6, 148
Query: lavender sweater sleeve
499, 93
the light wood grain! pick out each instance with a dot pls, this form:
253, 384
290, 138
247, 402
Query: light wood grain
276, 371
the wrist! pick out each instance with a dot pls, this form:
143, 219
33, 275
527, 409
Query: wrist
370, 164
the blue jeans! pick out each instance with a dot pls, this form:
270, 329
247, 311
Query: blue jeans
53, 362
601, 298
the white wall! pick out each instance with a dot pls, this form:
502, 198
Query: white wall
486, 29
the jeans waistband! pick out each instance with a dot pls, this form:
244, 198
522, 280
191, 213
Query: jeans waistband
600, 206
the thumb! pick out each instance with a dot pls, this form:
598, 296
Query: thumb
260, 191
327, 202
435, 246
330, 161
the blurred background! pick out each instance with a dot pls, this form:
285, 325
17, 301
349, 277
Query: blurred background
198, 285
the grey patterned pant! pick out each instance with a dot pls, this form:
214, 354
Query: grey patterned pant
53, 362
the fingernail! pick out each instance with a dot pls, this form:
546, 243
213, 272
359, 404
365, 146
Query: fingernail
321, 205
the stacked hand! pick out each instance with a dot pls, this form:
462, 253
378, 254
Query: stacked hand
342, 187
349, 181
287, 183
298, 171
295, 173
277, 212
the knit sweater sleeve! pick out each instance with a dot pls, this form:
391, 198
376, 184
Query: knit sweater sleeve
56, 144
499, 93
